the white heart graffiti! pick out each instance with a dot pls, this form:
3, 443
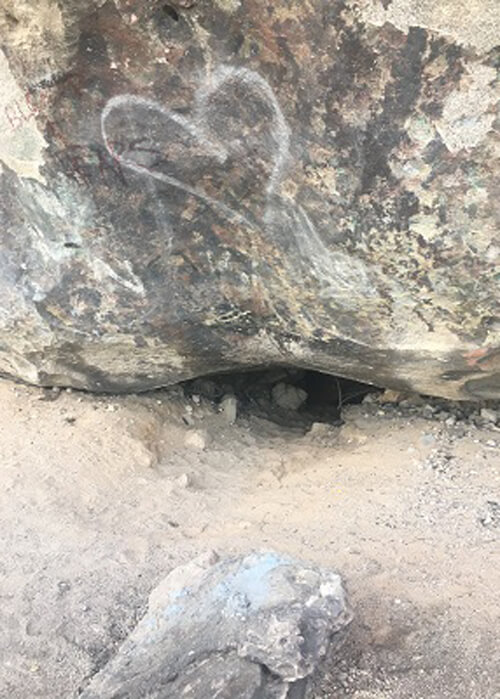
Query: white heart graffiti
196, 128
338, 273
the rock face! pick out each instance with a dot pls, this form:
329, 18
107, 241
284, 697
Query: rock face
253, 627
201, 185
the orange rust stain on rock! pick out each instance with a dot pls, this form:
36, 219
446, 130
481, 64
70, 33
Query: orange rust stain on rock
476, 357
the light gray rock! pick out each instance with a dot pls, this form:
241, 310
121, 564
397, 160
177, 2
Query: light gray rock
229, 408
489, 415
253, 627
197, 439
288, 396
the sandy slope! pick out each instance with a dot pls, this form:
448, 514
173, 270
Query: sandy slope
101, 497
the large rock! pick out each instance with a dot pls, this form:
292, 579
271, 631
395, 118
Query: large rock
253, 627
200, 185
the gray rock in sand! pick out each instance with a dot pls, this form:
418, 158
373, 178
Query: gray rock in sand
253, 627
288, 397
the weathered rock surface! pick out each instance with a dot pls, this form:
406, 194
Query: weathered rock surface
198, 186
252, 627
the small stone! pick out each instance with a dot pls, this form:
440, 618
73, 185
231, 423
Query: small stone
450, 421
183, 481
188, 420
390, 396
288, 397
229, 408
489, 415
490, 517
63, 587
427, 439
412, 401
319, 429
428, 411
196, 439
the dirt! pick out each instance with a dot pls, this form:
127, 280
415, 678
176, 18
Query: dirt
102, 496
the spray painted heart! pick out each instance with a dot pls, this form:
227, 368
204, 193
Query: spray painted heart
230, 152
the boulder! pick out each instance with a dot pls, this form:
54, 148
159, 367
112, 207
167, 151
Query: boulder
206, 185
252, 627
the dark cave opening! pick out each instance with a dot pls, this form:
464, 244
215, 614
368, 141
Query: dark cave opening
285, 395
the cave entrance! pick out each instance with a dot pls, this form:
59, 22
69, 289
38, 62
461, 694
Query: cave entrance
285, 395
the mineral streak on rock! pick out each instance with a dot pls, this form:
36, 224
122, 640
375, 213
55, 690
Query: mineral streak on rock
254, 627
198, 186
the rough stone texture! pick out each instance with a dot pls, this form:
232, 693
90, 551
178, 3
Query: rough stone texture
288, 396
251, 627
203, 185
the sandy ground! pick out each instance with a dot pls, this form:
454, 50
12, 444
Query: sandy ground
102, 496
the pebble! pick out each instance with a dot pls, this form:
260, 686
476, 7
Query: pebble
319, 428
63, 586
188, 419
489, 415
288, 397
229, 408
427, 439
196, 439
183, 481
390, 396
